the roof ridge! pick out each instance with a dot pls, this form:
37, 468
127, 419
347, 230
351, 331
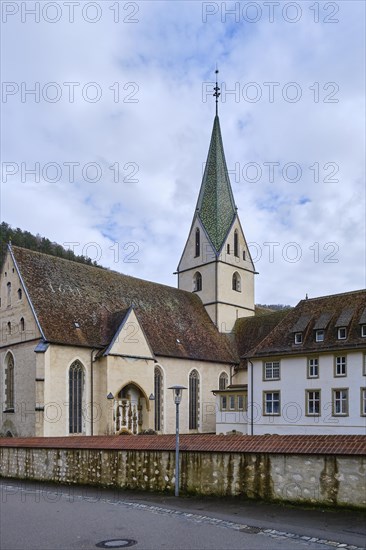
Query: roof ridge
361, 290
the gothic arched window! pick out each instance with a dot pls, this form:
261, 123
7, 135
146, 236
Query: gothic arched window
197, 243
236, 282
197, 282
223, 381
236, 243
158, 393
9, 382
76, 390
194, 384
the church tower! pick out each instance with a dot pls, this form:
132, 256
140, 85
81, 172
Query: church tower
216, 262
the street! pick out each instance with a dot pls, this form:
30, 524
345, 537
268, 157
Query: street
41, 516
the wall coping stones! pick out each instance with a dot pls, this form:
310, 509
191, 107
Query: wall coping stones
271, 444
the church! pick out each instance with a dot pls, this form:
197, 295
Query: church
86, 350
89, 351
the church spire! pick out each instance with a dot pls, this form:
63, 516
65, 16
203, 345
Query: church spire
216, 206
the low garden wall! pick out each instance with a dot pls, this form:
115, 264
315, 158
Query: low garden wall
317, 469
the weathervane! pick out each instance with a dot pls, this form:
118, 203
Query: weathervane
217, 92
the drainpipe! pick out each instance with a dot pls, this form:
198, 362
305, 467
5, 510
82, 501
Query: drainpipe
251, 401
92, 391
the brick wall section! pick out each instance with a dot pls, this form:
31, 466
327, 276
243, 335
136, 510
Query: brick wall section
271, 444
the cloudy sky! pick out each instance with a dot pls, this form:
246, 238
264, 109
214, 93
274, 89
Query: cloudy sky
107, 152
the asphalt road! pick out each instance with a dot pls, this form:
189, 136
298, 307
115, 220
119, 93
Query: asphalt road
50, 517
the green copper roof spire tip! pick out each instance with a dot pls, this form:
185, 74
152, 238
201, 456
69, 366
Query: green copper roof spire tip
217, 92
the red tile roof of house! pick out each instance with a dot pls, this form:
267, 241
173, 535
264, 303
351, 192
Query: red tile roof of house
271, 444
327, 313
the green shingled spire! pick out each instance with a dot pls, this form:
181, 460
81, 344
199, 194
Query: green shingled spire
216, 207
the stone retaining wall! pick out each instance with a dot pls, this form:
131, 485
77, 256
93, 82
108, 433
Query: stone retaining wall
319, 479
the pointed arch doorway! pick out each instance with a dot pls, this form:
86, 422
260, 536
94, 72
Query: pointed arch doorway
131, 408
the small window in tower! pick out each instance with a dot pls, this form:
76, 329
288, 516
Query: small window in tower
228, 248
197, 243
244, 255
236, 282
197, 282
22, 324
8, 287
9, 327
19, 293
236, 244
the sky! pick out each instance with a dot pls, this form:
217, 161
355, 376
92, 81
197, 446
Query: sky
107, 112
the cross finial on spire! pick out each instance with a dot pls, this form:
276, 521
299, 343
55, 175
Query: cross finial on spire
217, 92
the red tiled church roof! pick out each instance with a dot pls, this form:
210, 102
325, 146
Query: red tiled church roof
64, 292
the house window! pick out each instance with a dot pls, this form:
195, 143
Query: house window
22, 325
342, 333
298, 337
76, 390
223, 381
340, 366
271, 402
363, 331
236, 282
340, 402
19, 293
9, 382
197, 243
223, 402
236, 244
193, 400
271, 370
197, 282
228, 249
8, 290
319, 336
313, 402
242, 403
363, 401
158, 403
313, 367
232, 402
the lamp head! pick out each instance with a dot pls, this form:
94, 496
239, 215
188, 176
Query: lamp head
177, 393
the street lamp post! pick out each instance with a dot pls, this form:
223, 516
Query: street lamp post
177, 395
110, 398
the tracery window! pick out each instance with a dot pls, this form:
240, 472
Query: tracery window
76, 391
223, 381
9, 382
193, 400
